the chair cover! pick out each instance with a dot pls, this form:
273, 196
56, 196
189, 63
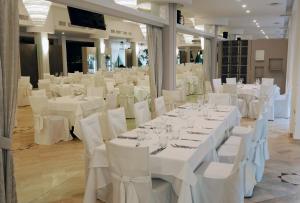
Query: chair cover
217, 84
41, 92
141, 113
219, 99
117, 122
112, 100
239, 102
131, 178
281, 106
231, 81
95, 92
208, 89
173, 98
48, 129
220, 182
24, 91
160, 107
126, 99
91, 131
267, 81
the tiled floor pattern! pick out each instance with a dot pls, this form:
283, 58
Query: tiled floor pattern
56, 173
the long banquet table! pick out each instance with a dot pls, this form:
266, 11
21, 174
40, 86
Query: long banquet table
202, 132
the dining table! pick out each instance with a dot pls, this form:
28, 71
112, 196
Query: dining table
178, 141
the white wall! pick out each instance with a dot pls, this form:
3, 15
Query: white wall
293, 72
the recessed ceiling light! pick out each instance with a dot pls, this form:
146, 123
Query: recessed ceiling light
261, 30
248, 11
254, 21
257, 25
62, 33
244, 5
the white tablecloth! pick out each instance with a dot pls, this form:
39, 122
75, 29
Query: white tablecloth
75, 108
175, 165
66, 89
141, 93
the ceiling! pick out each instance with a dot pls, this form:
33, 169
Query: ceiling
232, 17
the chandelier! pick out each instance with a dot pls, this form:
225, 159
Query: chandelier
38, 10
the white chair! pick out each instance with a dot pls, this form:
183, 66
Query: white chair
266, 97
267, 81
24, 91
231, 81
240, 103
160, 107
39, 93
131, 177
219, 99
112, 100
208, 89
217, 84
220, 182
126, 99
48, 129
173, 98
141, 113
95, 92
282, 106
45, 85
117, 122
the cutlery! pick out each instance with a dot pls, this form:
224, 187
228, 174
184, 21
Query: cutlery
158, 150
196, 133
182, 146
191, 140
171, 115
124, 137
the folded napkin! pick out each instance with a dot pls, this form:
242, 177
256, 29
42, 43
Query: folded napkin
129, 135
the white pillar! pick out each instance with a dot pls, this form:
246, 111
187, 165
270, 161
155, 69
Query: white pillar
169, 50
134, 54
98, 53
42, 42
64, 55
294, 64
214, 51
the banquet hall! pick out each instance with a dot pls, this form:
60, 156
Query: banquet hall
139, 101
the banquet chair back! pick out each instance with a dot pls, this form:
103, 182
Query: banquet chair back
129, 169
160, 107
219, 99
37, 93
39, 105
110, 86
116, 122
141, 113
95, 91
267, 81
208, 88
173, 98
230, 89
217, 84
231, 81
126, 99
91, 130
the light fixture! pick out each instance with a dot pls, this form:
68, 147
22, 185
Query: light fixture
248, 11
62, 33
254, 21
244, 5
38, 10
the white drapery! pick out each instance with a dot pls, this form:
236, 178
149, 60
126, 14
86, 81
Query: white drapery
9, 69
207, 60
154, 39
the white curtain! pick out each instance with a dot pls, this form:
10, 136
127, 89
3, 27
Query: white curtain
9, 69
154, 38
207, 59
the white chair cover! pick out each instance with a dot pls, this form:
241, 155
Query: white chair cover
160, 107
231, 81
217, 84
219, 99
91, 131
24, 91
41, 92
112, 100
267, 81
131, 178
95, 92
241, 103
117, 122
126, 99
208, 89
47, 129
282, 106
173, 98
220, 182
142, 113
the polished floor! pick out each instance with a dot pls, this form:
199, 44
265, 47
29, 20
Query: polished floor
56, 173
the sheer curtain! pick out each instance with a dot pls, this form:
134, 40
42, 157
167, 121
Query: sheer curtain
9, 69
154, 38
207, 59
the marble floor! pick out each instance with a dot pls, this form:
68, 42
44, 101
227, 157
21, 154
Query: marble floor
56, 173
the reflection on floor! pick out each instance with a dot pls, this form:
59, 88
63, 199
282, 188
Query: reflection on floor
56, 173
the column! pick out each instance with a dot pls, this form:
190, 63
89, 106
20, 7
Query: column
98, 53
41, 40
169, 50
134, 53
214, 51
64, 55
